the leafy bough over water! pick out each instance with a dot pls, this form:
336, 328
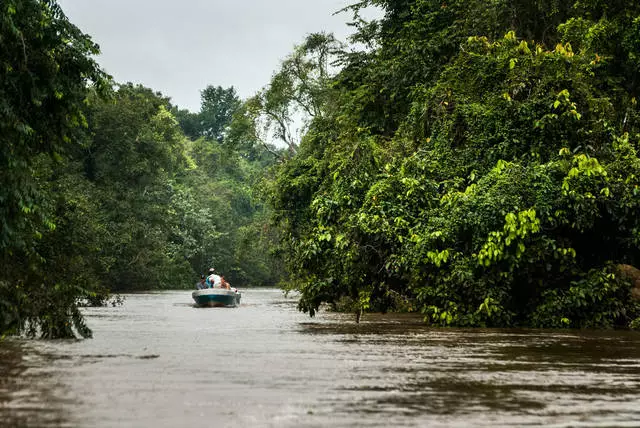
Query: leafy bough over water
492, 180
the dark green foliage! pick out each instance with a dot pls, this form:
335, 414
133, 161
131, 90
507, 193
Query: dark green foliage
476, 161
46, 68
171, 207
134, 152
101, 191
189, 122
217, 109
480, 161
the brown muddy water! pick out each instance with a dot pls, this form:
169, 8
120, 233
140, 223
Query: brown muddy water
157, 361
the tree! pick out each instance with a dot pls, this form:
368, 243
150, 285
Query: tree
135, 154
477, 163
170, 207
188, 121
297, 93
217, 108
46, 71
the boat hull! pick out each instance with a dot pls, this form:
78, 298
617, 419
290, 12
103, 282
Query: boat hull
216, 297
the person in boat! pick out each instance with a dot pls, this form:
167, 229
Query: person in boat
224, 283
216, 281
213, 280
202, 284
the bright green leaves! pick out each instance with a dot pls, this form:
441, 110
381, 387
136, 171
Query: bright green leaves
488, 306
524, 47
480, 176
569, 107
585, 166
441, 316
510, 242
438, 257
364, 300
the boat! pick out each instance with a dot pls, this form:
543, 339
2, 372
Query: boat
217, 297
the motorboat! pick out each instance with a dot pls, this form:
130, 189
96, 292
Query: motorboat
217, 297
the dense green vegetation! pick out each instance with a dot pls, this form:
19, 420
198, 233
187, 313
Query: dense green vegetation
108, 188
475, 161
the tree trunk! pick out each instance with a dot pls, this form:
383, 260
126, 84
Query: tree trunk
632, 274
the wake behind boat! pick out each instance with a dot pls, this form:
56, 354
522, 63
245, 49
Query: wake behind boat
217, 297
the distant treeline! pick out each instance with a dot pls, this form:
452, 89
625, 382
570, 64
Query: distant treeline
109, 188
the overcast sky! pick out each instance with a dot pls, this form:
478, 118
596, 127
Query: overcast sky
180, 47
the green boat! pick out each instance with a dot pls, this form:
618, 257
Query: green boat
217, 297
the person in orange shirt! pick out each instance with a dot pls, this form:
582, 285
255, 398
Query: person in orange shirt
224, 283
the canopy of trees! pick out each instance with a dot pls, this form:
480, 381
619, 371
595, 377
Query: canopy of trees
477, 161
109, 187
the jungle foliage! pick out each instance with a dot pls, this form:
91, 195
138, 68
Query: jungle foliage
109, 188
475, 161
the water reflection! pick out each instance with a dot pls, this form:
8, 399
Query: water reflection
29, 396
157, 361
489, 377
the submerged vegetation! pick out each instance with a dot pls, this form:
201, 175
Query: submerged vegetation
475, 161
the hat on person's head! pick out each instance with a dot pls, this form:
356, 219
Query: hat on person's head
211, 270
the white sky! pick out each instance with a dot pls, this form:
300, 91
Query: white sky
178, 47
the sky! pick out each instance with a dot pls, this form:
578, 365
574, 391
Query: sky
180, 47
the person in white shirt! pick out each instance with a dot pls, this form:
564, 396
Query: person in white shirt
213, 280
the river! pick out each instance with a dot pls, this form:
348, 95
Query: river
157, 361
